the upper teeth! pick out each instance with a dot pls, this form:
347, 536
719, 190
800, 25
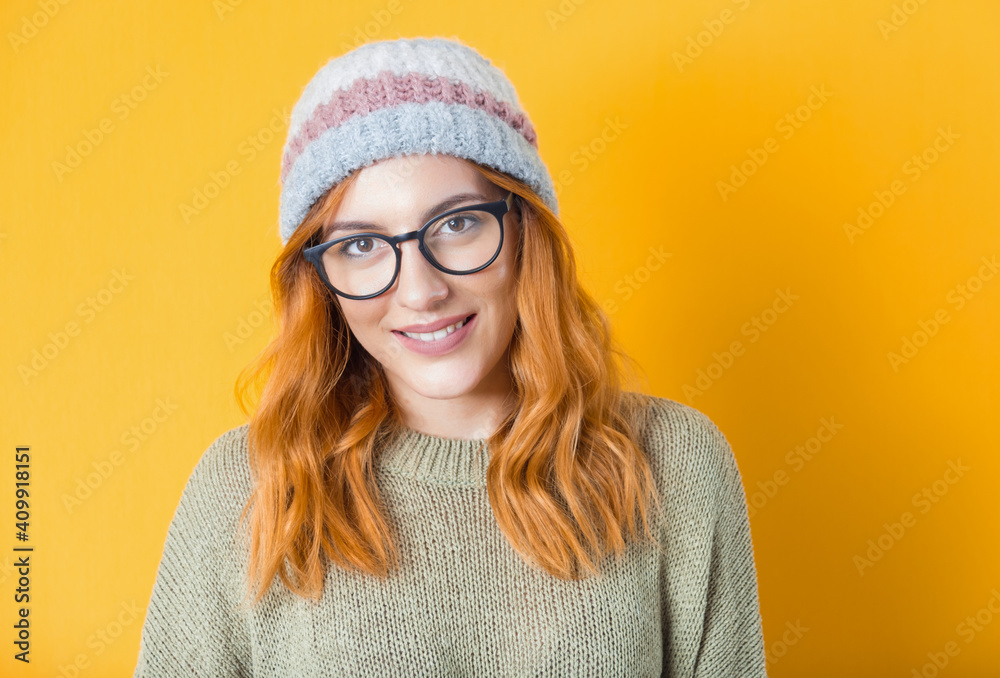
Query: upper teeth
435, 336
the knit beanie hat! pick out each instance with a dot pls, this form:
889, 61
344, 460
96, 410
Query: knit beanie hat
399, 97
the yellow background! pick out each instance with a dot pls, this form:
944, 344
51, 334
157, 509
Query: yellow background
187, 321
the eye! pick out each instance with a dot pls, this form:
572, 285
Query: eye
359, 247
453, 224
456, 224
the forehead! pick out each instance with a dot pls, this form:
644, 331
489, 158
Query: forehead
413, 175
397, 192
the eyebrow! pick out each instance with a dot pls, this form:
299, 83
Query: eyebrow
428, 214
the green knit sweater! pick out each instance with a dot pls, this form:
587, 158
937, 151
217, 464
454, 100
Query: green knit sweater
463, 603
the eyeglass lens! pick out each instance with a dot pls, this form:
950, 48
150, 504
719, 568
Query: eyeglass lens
459, 242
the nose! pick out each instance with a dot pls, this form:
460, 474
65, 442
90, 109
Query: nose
419, 284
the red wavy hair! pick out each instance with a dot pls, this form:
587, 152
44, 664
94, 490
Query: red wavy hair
567, 478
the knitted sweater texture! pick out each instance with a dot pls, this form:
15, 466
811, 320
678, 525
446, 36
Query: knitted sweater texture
463, 602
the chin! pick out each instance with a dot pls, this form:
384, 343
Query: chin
443, 386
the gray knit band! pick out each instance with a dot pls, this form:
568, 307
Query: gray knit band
403, 97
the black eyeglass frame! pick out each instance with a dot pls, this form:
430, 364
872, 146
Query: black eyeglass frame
498, 209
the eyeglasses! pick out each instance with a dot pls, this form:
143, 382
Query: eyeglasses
459, 242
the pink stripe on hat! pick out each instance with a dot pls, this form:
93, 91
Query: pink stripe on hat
387, 90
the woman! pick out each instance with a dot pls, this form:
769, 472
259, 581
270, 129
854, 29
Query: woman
443, 473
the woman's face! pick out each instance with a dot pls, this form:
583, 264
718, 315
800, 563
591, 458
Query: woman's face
399, 195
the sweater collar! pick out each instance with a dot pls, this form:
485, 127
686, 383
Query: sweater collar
450, 461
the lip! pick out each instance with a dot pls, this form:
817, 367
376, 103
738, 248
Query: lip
442, 346
434, 326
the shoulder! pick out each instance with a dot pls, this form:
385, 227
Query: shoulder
219, 485
674, 426
689, 453
225, 462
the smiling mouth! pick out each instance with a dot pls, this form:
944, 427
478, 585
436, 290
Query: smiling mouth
437, 335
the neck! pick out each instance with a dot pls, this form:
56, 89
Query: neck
474, 415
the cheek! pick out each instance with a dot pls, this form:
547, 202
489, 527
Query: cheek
504, 269
364, 325
362, 317
501, 296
